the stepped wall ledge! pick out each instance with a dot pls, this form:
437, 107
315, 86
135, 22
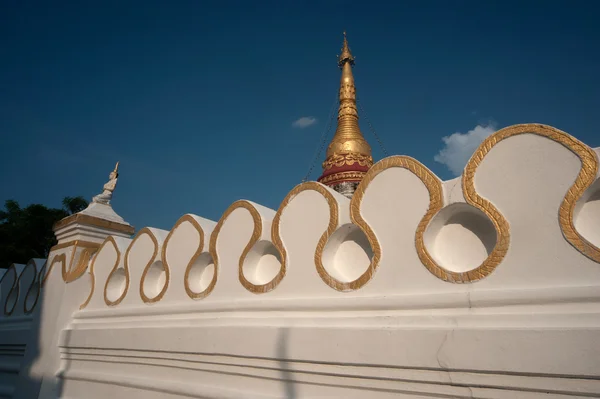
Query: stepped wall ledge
487, 286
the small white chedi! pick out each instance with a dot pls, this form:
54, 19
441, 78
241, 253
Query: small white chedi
100, 206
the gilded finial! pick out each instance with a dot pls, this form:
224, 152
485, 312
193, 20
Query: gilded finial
346, 55
348, 155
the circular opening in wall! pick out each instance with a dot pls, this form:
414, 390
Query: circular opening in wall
155, 280
262, 263
32, 297
116, 285
460, 237
587, 214
11, 301
347, 254
201, 273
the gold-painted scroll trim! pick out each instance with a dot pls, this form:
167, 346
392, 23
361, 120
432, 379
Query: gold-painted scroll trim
333, 220
92, 272
69, 273
166, 269
347, 159
57, 258
197, 253
36, 284
585, 178
256, 233
80, 243
358, 220
212, 250
332, 226
94, 221
83, 261
143, 231
341, 176
434, 188
275, 226
14, 286
117, 301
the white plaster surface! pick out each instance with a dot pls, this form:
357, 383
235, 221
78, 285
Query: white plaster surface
347, 254
79, 231
111, 253
92, 233
141, 252
103, 211
460, 237
14, 329
528, 330
587, 214
185, 240
24, 284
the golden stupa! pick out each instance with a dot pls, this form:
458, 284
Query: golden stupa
348, 155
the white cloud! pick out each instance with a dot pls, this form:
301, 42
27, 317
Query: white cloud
305, 121
459, 147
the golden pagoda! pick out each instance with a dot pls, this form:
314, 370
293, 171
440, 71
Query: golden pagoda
348, 155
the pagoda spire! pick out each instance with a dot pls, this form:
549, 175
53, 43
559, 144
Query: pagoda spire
348, 155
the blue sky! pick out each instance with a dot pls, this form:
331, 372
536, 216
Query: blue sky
198, 99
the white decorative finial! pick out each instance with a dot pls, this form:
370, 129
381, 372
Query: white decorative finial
109, 188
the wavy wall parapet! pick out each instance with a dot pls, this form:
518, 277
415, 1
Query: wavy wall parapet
526, 206
408, 278
509, 251
20, 287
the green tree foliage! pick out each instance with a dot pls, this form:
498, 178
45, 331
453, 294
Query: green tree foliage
26, 233
74, 204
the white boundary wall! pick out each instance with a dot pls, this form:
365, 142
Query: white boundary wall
485, 286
